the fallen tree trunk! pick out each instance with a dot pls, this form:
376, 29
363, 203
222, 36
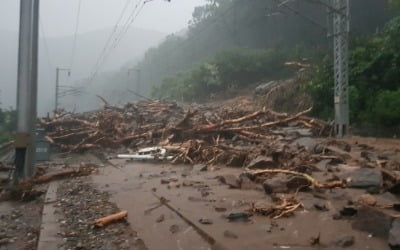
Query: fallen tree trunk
111, 218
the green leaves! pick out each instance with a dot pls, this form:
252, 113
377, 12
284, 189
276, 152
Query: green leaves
8, 121
228, 69
374, 80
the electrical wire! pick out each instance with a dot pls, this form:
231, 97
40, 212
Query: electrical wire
102, 59
114, 30
45, 45
75, 35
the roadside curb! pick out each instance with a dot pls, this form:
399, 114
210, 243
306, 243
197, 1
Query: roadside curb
48, 238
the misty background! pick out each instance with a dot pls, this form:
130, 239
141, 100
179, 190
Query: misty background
58, 23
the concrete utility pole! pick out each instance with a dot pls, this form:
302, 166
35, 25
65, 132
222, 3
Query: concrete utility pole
26, 89
341, 29
57, 94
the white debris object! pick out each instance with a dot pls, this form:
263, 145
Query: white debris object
151, 153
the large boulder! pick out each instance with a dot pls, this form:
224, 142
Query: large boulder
394, 234
262, 162
231, 180
364, 178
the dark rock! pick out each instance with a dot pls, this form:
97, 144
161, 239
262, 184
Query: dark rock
348, 211
364, 178
230, 180
262, 162
174, 229
297, 183
239, 217
230, 234
220, 209
200, 168
276, 184
206, 221
394, 234
168, 181
321, 206
345, 241
160, 219
373, 221
395, 189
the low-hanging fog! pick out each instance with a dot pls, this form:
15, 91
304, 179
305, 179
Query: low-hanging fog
58, 31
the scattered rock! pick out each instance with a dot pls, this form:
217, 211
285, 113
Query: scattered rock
297, 183
348, 211
281, 183
321, 206
160, 219
394, 234
364, 178
174, 229
262, 162
345, 241
230, 180
230, 234
373, 221
367, 199
206, 221
275, 184
220, 209
168, 181
239, 217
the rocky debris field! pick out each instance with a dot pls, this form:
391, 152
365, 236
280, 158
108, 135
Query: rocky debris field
79, 206
231, 135
289, 158
20, 225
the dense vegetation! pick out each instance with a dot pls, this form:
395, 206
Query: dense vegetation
228, 70
374, 80
8, 120
248, 25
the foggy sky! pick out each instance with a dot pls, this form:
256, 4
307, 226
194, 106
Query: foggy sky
58, 20
58, 16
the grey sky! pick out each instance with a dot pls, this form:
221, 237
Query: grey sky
58, 16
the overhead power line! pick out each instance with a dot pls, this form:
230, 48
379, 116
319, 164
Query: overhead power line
75, 34
107, 50
45, 44
109, 39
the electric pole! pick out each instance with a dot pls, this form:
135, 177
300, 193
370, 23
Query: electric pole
339, 18
341, 29
57, 94
26, 90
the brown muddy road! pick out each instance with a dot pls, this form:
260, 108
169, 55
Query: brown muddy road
132, 187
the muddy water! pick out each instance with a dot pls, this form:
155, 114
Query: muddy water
132, 189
